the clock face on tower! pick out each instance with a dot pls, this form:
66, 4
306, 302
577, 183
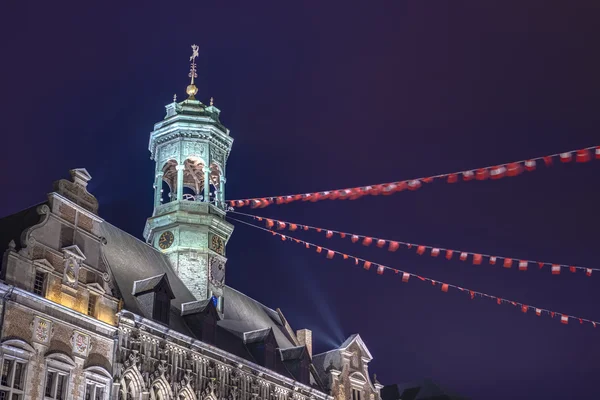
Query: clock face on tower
217, 245
166, 240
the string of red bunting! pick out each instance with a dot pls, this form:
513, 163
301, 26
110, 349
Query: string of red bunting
393, 245
481, 174
367, 265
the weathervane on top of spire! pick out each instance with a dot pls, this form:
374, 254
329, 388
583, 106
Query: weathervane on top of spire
192, 89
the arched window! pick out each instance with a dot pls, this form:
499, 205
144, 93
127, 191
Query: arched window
131, 385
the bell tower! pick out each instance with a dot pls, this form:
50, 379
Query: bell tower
190, 147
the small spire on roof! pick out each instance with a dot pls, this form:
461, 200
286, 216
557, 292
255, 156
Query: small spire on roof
192, 89
175, 98
212, 100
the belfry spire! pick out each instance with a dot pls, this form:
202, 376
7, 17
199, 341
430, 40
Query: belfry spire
192, 89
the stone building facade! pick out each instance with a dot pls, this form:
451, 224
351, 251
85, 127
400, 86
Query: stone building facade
90, 312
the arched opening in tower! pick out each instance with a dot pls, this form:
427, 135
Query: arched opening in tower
169, 184
193, 179
215, 183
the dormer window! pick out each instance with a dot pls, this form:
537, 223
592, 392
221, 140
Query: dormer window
355, 394
162, 307
154, 297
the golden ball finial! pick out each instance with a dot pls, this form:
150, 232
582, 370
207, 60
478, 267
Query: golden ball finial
191, 90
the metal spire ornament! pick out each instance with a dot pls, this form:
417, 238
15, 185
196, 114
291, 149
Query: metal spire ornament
192, 89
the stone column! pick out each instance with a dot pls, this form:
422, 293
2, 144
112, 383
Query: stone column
180, 169
222, 191
158, 189
206, 184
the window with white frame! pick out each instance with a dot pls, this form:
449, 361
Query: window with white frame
56, 385
94, 391
355, 394
12, 379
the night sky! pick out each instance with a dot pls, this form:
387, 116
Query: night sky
325, 96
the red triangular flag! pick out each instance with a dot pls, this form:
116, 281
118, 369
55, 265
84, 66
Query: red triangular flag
435, 252
405, 277
354, 239
319, 249
367, 265
582, 156
293, 227
481, 174
514, 169
420, 250
393, 246
452, 178
380, 269
472, 294
564, 319
597, 153
330, 254
345, 256
329, 234
477, 259
524, 308
547, 160
588, 271
444, 287
380, 243
414, 184
463, 256
280, 225
538, 312
307, 245
552, 314
367, 241
428, 179
499, 300
572, 269
493, 260
269, 223
342, 235
468, 175
508, 262
448, 254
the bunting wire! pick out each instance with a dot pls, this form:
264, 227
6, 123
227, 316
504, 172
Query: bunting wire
564, 318
394, 245
492, 172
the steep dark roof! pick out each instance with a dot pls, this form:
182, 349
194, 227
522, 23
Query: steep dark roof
149, 284
132, 260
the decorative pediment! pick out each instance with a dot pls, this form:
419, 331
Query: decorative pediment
95, 287
366, 354
44, 264
74, 251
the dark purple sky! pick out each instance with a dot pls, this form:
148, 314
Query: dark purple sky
326, 96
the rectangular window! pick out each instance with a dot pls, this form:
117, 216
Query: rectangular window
38, 284
99, 395
49, 384
56, 385
12, 379
355, 394
92, 305
89, 388
6, 370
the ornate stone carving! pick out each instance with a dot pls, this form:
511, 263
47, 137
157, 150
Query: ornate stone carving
80, 343
217, 270
42, 330
168, 151
194, 149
